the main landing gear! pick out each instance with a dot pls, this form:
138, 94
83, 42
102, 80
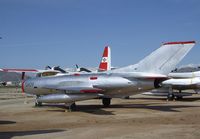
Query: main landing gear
106, 102
170, 97
71, 107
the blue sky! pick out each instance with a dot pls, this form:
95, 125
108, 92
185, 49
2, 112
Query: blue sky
36, 33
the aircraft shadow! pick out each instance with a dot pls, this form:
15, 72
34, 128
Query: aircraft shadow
163, 108
100, 110
96, 109
147, 98
11, 134
6, 122
189, 99
184, 99
93, 109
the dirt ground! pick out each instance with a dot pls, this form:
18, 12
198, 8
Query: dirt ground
139, 117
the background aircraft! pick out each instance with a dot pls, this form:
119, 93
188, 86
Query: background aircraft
105, 65
130, 80
179, 81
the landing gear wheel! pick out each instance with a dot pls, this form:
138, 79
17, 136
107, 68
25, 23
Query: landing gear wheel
127, 97
72, 107
106, 102
38, 104
179, 97
170, 97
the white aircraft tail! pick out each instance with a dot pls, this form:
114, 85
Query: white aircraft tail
163, 60
105, 63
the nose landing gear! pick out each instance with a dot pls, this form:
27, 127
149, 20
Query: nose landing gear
38, 104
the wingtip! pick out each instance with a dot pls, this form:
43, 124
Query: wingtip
19, 70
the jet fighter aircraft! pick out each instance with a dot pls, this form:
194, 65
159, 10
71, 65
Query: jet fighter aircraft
182, 81
125, 81
178, 81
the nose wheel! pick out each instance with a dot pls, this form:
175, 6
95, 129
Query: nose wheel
38, 104
106, 102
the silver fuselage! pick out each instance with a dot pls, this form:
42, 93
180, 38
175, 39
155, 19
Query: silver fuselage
112, 84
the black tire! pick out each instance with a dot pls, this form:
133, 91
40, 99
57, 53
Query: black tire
72, 107
127, 97
38, 104
179, 97
106, 102
170, 97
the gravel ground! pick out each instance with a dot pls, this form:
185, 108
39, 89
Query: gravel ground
139, 117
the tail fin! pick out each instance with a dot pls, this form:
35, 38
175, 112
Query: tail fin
105, 63
163, 60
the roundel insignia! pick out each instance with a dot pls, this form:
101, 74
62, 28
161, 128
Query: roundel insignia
104, 59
